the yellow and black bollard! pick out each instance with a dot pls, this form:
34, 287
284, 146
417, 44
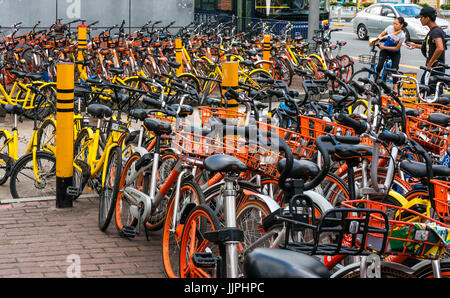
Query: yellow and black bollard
82, 44
64, 133
266, 51
230, 79
179, 55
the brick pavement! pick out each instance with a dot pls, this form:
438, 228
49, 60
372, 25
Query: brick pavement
38, 240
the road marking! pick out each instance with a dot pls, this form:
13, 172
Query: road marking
401, 65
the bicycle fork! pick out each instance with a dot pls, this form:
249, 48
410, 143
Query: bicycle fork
231, 247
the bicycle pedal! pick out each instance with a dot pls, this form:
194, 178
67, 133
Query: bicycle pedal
72, 191
204, 260
128, 231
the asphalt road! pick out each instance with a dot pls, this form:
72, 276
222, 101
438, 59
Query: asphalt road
410, 61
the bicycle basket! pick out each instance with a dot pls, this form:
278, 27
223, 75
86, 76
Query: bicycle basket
367, 59
259, 159
424, 238
231, 117
339, 231
302, 146
192, 147
431, 136
442, 198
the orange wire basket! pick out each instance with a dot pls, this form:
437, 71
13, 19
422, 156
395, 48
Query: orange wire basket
425, 238
258, 158
429, 108
233, 117
312, 128
442, 198
302, 146
192, 147
431, 136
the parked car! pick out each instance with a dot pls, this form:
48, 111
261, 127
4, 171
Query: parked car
375, 18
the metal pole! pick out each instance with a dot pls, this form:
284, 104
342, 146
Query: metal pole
313, 18
64, 133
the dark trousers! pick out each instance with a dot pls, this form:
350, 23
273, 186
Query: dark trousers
395, 58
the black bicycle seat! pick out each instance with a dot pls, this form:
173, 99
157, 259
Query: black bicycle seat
224, 163
411, 112
211, 101
157, 126
419, 169
184, 111
443, 100
281, 263
174, 64
116, 70
34, 76
138, 114
99, 110
14, 109
439, 119
301, 169
346, 151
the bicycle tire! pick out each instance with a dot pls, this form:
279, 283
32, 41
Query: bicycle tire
348, 64
6, 165
168, 161
385, 271
108, 194
80, 179
171, 240
200, 220
249, 218
425, 270
122, 215
5, 152
19, 185
48, 125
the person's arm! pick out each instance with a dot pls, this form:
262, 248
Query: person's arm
392, 48
381, 35
437, 53
414, 45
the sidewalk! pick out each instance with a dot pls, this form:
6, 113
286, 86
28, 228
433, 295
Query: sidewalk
38, 240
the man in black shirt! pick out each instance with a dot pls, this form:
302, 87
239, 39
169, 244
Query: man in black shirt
433, 47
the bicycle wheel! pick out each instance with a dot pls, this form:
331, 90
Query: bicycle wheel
6, 162
385, 271
347, 64
123, 217
200, 220
108, 194
46, 136
23, 182
425, 270
249, 219
81, 172
156, 221
190, 193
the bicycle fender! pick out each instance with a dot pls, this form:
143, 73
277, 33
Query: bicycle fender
401, 199
319, 200
259, 69
141, 150
53, 84
271, 203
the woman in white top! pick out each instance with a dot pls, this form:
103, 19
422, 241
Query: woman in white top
391, 47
